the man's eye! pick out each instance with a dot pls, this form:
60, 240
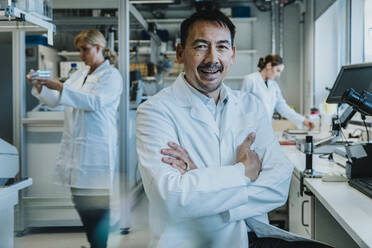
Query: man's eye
223, 47
201, 47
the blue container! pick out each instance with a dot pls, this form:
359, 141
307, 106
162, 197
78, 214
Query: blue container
241, 12
36, 40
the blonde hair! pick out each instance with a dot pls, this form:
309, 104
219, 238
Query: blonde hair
94, 37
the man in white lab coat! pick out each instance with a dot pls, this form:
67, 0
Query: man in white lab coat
210, 164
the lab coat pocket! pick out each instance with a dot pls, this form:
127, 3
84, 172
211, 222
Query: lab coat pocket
95, 152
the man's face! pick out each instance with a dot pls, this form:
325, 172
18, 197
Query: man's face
207, 55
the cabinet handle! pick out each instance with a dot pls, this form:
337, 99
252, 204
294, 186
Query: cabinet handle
302, 213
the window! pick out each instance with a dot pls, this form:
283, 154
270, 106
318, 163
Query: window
368, 30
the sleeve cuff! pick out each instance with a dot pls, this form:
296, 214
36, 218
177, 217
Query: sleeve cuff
242, 168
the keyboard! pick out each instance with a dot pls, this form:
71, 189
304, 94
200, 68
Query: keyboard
364, 185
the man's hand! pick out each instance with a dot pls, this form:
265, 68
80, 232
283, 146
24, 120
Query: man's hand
309, 124
177, 157
52, 84
249, 158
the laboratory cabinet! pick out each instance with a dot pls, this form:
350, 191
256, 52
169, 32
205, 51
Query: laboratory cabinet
301, 211
309, 218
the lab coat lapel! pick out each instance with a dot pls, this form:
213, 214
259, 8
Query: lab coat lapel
198, 110
229, 113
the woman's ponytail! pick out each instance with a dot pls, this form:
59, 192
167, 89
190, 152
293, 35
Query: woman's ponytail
110, 55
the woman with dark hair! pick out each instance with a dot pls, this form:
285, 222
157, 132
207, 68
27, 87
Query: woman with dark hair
263, 85
88, 150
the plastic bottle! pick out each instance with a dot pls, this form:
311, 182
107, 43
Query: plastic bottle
72, 69
315, 117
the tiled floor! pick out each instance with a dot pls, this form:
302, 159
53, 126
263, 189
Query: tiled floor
64, 238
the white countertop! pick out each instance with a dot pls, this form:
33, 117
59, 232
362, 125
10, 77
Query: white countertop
9, 194
351, 209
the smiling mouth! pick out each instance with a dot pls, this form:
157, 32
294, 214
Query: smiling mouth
209, 71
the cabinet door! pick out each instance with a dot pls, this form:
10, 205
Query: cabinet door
301, 209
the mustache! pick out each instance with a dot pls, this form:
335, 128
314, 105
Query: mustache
210, 66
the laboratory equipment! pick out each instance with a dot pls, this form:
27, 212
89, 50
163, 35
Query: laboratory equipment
8, 161
136, 87
41, 58
356, 76
364, 185
9, 167
353, 86
309, 172
39, 74
72, 69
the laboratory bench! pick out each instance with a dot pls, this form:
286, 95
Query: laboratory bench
331, 212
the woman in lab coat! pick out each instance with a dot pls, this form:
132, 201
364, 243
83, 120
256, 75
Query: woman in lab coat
88, 150
263, 85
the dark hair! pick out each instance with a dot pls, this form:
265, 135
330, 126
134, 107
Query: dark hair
274, 59
206, 15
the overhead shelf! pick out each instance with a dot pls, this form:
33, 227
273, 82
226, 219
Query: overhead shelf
72, 56
13, 18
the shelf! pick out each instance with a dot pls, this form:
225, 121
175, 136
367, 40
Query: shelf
148, 78
72, 56
10, 20
170, 53
244, 19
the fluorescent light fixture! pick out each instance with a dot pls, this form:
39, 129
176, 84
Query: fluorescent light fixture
151, 1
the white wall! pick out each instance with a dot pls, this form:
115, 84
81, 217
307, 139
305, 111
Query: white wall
289, 81
308, 61
357, 31
330, 50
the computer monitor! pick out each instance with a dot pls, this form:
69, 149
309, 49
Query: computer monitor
356, 76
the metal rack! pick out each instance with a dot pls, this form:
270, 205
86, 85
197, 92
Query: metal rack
13, 18
17, 21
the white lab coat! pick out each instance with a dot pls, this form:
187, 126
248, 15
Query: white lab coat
271, 96
87, 154
207, 207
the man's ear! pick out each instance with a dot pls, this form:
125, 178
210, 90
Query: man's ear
179, 54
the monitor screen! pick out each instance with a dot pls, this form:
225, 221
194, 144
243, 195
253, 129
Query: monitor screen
358, 77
